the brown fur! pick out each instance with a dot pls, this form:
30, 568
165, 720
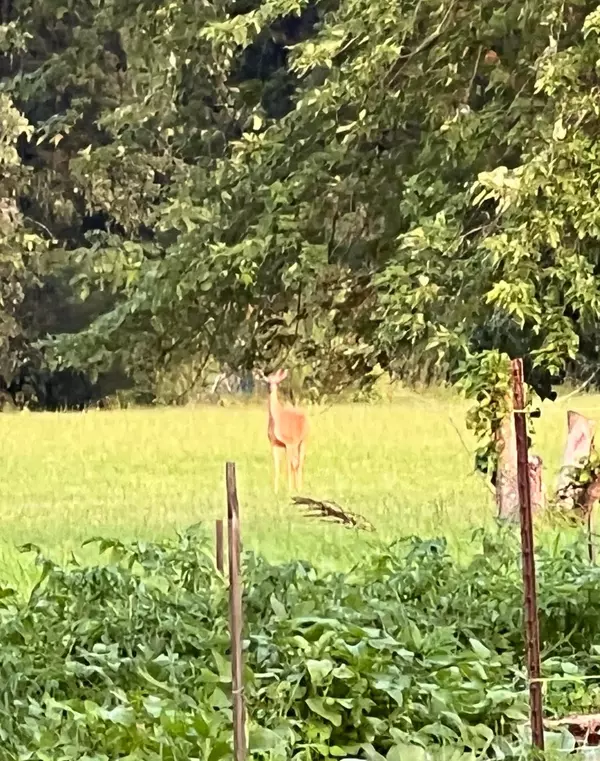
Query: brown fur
288, 430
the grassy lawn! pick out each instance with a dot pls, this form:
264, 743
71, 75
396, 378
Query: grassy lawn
145, 473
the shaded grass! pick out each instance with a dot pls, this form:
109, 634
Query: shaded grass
145, 473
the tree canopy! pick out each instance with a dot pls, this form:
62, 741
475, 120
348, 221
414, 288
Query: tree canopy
350, 187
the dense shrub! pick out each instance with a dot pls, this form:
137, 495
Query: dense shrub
407, 656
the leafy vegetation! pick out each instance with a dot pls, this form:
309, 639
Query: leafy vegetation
409, 655
352, 188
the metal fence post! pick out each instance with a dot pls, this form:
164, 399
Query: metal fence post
532, 628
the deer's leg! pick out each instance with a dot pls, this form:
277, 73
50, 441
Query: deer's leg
277, 452
294, 484
300, 469
289, 456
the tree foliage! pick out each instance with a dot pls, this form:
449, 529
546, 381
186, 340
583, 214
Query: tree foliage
21, 249
349, 187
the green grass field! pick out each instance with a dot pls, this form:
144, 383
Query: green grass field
145, 473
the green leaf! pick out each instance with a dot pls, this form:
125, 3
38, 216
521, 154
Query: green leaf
321, 708
406, 753
278, 607
120, 714
480, 649
319, 670
263, 740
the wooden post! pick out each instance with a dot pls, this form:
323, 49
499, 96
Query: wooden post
507, 496
579, 445
591, 496
235, 614
219, 545
532, 629
507, 490
538, 496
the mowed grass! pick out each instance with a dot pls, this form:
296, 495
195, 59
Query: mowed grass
406, 465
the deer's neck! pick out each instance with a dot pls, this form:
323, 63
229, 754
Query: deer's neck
274, 403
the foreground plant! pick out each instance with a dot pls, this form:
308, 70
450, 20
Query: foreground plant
406, 656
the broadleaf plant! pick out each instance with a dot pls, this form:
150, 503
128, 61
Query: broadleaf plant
409, 651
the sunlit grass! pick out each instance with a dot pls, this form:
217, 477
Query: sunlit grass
146, 473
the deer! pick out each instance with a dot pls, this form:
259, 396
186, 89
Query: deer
287, 431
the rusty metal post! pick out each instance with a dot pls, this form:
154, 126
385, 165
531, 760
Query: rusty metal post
532, 628
219, 545
235, 615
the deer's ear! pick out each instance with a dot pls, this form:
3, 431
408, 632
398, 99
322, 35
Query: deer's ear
282, 374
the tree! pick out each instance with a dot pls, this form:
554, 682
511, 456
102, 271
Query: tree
38, 219
97, 121
430, 193
350, 187
22, 250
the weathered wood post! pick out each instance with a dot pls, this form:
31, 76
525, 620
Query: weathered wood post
532, 629
219, 555
571, 495
235, 615
507, 493
579, 445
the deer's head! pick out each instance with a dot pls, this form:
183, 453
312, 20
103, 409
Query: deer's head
275, 378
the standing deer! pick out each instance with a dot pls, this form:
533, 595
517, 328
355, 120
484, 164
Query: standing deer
288, 429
